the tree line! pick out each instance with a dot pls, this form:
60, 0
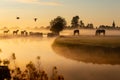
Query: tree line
59, 23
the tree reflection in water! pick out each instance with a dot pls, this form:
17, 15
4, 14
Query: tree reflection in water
89, 54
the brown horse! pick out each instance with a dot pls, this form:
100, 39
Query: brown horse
76, 32
26, 33
23, 32
5, 32
15, 32
99, 31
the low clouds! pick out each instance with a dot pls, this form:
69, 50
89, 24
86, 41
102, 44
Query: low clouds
40, 2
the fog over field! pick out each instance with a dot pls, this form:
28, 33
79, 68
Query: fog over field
68, 61
91, 32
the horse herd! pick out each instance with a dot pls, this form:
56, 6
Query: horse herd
15, 32
98, 32
25, 33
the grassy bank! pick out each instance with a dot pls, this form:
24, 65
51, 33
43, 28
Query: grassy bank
95, 41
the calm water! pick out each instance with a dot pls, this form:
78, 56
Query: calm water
27, 49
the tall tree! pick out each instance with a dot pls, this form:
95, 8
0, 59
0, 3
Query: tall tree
75, 22
113, 24
57, 25
82, 25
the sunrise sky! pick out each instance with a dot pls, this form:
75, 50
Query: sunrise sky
90, 11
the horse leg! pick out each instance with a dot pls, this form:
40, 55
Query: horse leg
96, 33
99, 33
104, 33
78, 33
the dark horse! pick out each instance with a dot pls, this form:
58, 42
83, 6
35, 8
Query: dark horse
99, 31
15, 32
23, 32
76, 32
5, 32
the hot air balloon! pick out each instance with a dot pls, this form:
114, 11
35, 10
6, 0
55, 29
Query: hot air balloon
17, 17
35, 19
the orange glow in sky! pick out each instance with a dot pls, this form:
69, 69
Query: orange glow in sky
90, 11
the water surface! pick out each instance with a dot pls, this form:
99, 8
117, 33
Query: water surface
27, 49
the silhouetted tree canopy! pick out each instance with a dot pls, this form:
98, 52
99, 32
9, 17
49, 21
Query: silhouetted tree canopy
113, 24
109, 27
57, 25
90, 26
82, 25
75, 22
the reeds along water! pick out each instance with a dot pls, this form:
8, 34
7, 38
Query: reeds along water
89, 54
31, 72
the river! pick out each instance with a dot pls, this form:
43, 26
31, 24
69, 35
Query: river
27, 49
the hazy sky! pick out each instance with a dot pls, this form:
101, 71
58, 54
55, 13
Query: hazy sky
90, 11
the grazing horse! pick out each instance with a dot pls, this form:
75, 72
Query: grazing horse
26, 33
76, 32
98, 32
15, 32
51, 35
6, 31
35, 34
23, 32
